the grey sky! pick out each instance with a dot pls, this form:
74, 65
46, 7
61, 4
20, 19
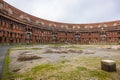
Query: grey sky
71, 11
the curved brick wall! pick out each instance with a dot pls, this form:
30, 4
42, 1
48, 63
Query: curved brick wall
17, 26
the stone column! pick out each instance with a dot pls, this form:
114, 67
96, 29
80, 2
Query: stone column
3, 39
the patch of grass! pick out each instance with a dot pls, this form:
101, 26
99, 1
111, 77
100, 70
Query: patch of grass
43, 71
64, 61
26, 48
29, 79
42, 67
56, 45
119, 43
99, 74
82, 73
55, 72
45, 67
7, 75
36, 48
63, 71
72, 46
81, 68
4, 44
19, 48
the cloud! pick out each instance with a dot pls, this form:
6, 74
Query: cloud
71, 11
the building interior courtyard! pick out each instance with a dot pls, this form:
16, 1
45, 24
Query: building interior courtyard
33, 48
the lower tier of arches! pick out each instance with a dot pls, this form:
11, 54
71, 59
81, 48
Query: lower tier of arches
17, 32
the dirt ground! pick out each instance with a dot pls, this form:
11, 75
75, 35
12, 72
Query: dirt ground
57, 53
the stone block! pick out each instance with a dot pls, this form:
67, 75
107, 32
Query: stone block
108, 65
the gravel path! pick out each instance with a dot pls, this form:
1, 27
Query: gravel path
3, 51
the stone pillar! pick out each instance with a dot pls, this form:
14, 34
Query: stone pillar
18, 41
7, 40
3, 39
23, 40
14, 40
108, 65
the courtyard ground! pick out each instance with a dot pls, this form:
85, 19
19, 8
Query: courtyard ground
62, 62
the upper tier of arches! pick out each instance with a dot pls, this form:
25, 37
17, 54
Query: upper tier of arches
18, 14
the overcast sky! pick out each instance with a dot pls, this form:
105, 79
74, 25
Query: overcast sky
71, 11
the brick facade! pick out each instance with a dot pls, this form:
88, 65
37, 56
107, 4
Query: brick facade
19, 27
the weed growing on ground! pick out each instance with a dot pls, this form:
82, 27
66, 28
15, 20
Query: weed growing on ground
6, 70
